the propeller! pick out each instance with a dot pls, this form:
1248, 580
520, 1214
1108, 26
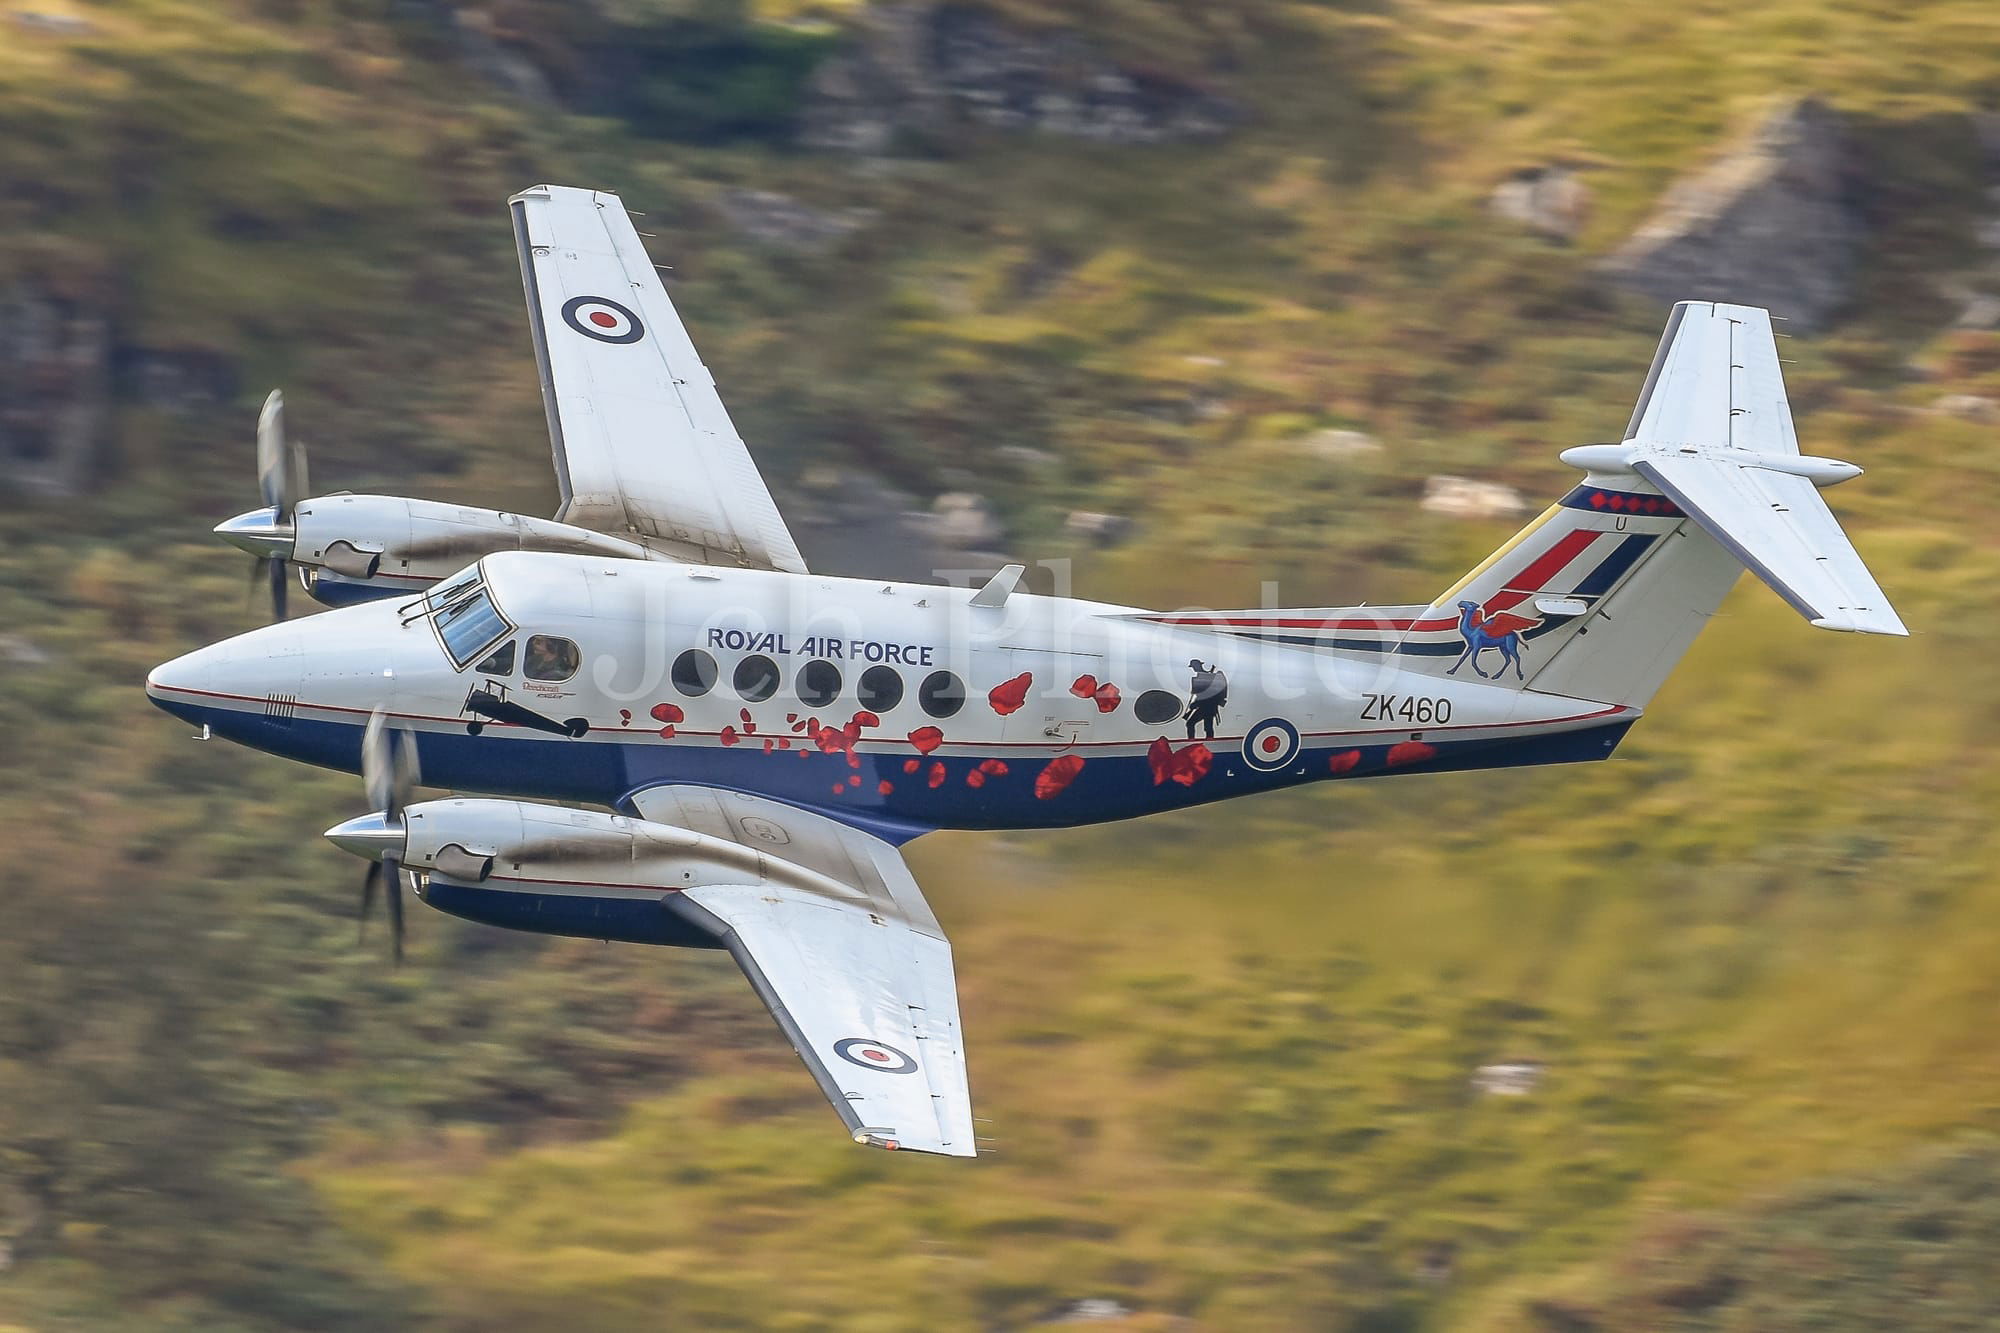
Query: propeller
389, 772
268, 533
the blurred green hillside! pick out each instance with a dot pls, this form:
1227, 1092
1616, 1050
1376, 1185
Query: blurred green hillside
1229, 1059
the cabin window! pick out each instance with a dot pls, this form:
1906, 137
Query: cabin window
756, 678
550, 658
1155, 706
694, 673
819, 684
499, 662
881, 689
470, 625
941, 695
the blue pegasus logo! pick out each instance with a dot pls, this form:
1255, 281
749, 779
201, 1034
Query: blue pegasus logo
1480, 632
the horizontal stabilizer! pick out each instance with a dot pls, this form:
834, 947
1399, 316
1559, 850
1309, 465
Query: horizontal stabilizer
1778, 525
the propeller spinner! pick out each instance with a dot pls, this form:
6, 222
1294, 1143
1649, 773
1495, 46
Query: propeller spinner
269, 533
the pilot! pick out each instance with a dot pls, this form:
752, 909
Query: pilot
1208, 692
544, 659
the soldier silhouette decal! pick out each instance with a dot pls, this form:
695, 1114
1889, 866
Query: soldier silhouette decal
1207, 693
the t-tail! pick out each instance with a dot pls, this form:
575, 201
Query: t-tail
1599, 597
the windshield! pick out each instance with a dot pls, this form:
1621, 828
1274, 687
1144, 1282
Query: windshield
449, 591
469, 623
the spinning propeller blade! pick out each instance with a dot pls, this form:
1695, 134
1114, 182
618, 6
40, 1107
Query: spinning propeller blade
269, 533
390, 773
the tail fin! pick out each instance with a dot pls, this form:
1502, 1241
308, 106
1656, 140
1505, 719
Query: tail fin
1600, 596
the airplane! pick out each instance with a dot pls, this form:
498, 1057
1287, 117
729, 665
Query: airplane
755, 741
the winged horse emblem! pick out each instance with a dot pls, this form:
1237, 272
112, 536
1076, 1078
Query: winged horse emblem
1480, 631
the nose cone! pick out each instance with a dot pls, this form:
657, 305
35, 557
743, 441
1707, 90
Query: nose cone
370, 837
179, 686
260, 533
216, 684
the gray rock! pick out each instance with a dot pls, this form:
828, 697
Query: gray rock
19, 651
1968, 407
1551, 200
1091, 1310
781, 222
962, 521
1088, 525
1770, 224
54, 25
1513, 1079
1462, 497
913, 71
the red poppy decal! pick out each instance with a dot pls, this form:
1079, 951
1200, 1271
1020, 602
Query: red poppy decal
993, 768
744, 713
769, 745
1057, 775
1344, 762
884, 787
1410, 752
1008, 696
624, 717
976, 778
728, 736
668, 713
936, 776
926, 739
854, 779
864, 718
1186, 767
912, 765
1085, 687
1108, 698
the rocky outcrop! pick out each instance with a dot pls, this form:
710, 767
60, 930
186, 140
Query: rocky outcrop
780, 222
1770, 224
914, 71
55, 388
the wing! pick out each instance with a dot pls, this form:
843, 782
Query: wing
849, 960
643, 446
1503, 623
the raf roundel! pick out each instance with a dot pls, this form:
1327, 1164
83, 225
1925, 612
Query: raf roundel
603, 319
877, 1055
1271, 744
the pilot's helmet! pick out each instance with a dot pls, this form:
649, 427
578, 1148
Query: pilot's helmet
1195, 662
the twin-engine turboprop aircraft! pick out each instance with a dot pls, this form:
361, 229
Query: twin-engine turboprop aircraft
763, 738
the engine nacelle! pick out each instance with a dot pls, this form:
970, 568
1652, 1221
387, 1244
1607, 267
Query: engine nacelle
360, 547
557, 871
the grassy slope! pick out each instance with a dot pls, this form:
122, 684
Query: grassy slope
1226, 1055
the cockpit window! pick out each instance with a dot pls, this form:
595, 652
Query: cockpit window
550, 658
499, 662
449, 591
469, 625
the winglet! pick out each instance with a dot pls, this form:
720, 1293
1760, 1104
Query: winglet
1000, 587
